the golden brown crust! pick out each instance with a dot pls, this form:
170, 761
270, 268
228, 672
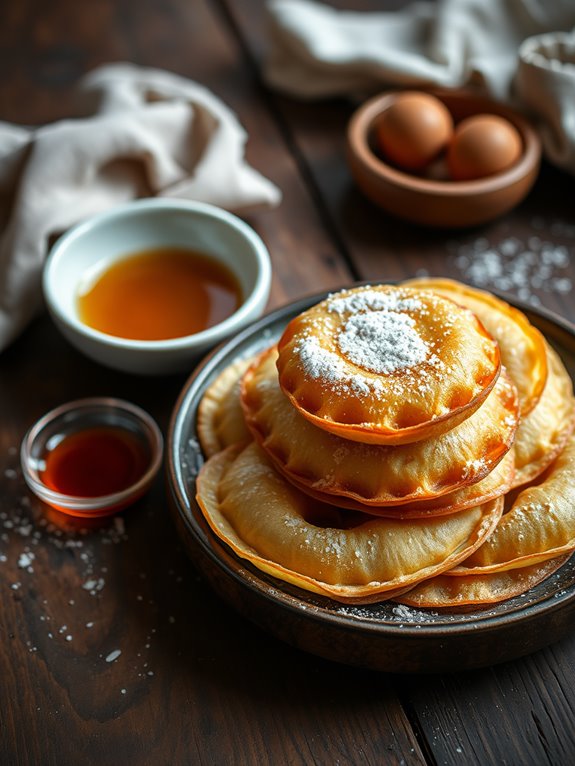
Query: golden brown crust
387, 365
496, 484
376, 475
418, 520
220, 418
280, 530
476, 590
543, 433
522, 345
539, 525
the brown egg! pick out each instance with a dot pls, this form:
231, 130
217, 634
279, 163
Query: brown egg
413, 130
483, 145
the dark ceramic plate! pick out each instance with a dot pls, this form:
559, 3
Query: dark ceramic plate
383, 636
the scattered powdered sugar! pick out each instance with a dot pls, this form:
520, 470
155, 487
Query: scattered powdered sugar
372, 300
399, 614
25, 561
377, 333
320, 362
382, 341
408, 614
27, 540
93, 586
527, 268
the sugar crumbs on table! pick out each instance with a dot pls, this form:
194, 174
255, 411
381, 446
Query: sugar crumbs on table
25, 561
94, 586
526, 268
113, 656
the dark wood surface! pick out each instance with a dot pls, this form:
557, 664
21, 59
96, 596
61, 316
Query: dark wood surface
195, 683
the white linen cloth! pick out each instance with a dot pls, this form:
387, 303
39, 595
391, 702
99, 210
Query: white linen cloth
521, 52
148, 133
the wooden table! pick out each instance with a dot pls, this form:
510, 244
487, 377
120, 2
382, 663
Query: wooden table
195, 683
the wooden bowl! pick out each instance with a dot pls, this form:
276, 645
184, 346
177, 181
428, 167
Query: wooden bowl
381, 636
440, 203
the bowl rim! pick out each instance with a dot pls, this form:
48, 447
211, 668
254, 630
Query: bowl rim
362, 121
92, 505
253, 592
137, 208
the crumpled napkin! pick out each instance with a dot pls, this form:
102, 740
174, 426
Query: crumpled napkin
521, 52
148, 133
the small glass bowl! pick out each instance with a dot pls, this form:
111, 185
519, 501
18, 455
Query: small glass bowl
82, 415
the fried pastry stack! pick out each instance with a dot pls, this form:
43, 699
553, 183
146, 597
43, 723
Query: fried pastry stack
406, 442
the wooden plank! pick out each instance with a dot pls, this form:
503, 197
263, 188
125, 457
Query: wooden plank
194, 683
381, 247
191, 41
520, 712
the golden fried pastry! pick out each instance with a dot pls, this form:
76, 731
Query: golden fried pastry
220, 417
350, 557
221, 423
522, 345
475, 590
376, 475
543, 432
540, 524
373, 456
496, 484
387, 365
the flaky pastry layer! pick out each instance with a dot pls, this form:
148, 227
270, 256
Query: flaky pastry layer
376, 475
476, 590
540, 524
267, 521
522, 345
543, 433
387, 365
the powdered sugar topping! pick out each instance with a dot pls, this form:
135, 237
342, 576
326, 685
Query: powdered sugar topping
377, 333
320, 362
373, 300
382, 341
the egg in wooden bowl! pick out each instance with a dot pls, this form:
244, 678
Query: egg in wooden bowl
443, 158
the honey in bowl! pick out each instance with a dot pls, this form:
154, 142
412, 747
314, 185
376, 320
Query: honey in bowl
92, 457
95, 462
159, 294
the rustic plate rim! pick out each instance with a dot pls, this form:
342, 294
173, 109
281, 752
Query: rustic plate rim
279, 594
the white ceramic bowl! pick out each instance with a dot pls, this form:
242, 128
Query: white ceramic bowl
143, 225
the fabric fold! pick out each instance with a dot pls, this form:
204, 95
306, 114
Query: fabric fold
142, 132
519, 52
